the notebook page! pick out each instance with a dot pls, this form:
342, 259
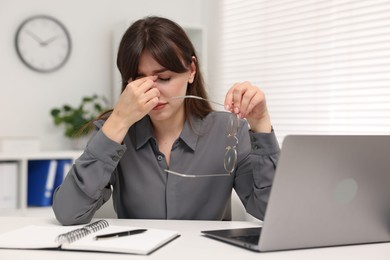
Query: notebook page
33, 237
143, 243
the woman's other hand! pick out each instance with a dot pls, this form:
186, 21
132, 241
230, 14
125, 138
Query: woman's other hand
248, 101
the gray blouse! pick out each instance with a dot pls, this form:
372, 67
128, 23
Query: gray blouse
134, 173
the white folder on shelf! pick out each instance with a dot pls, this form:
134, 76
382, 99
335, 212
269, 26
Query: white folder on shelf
8, 185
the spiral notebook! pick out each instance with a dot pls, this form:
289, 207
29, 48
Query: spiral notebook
83, 238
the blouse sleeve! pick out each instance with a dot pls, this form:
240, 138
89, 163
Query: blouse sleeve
87, 185
256, 172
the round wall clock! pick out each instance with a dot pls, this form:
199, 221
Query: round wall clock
43, 43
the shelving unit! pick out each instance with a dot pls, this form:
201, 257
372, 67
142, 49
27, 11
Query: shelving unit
22, 160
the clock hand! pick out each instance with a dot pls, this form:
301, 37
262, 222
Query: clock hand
34, 37
49, 40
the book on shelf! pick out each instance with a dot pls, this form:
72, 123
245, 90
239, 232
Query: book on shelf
83, 238
8, 185
44, 176
63, 167
41, 178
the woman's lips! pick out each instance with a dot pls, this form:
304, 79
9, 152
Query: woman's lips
159, 106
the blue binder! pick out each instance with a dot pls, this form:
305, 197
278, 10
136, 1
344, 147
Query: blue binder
41, 177
63, 167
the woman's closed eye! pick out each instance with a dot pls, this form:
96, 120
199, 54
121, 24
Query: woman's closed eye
163, 79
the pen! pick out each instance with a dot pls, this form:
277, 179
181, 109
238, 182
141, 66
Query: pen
121, 234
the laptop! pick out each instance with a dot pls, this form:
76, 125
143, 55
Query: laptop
327, 191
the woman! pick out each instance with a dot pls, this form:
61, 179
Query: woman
166, 156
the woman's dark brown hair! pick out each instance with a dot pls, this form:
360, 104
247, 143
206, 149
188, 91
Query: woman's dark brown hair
170, 46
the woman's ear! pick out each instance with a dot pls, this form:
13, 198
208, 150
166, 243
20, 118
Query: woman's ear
192, 70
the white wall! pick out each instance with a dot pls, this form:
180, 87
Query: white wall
27, 97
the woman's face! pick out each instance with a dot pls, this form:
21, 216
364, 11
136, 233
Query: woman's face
169, 84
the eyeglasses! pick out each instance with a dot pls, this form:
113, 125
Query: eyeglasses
230, 159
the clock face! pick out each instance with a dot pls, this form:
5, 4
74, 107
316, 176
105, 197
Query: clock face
43, 43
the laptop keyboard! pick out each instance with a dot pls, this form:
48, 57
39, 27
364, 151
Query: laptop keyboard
252, 239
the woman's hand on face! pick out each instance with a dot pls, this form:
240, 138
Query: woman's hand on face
248, 101
137, 100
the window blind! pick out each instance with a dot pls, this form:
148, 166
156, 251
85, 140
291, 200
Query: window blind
323, 65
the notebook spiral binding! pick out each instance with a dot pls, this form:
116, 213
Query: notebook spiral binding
76, 234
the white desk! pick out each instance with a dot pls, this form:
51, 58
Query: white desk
191, 244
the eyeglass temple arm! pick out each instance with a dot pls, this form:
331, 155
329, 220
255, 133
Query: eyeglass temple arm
195, 176
196, 97
180, 174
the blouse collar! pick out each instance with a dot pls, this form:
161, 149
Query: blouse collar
189, 135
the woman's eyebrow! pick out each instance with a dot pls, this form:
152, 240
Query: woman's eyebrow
140, 74
160, 70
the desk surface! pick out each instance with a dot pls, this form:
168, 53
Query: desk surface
191, 244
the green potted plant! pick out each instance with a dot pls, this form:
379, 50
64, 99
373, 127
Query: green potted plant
77, 120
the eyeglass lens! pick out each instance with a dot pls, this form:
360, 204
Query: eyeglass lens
230, 159
233, 124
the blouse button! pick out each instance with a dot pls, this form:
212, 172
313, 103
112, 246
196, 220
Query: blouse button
255, 147
160, 157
